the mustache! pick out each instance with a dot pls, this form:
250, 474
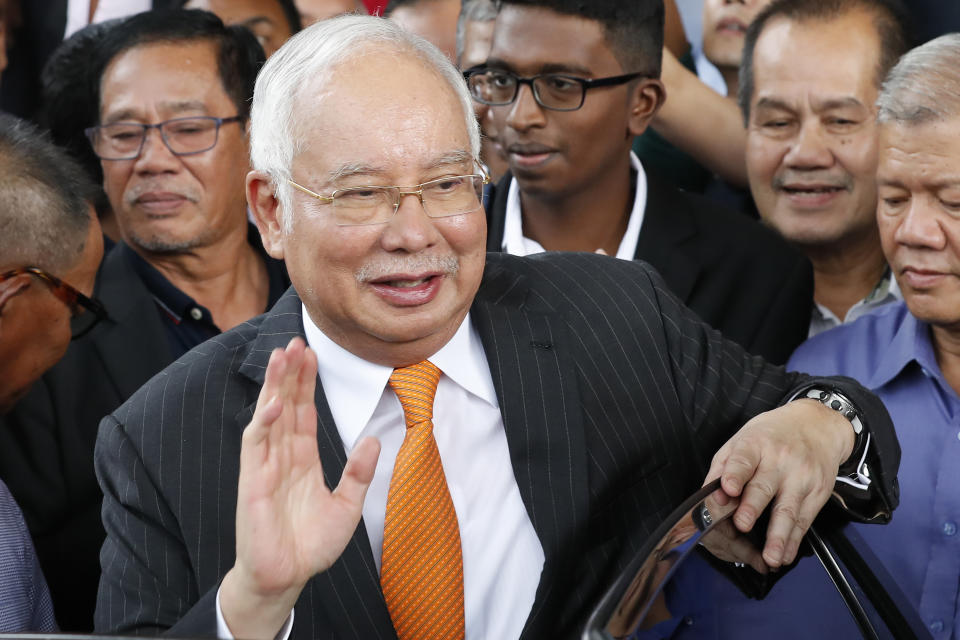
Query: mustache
135, 192
446, 265
824, 179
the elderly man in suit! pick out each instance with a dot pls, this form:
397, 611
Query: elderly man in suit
535, 418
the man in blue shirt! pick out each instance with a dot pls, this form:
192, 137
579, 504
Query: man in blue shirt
909, 353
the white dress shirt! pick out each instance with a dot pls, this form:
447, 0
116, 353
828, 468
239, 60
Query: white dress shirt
502, 556
78, 12
514, 242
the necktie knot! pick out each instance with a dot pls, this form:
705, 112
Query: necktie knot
416, 387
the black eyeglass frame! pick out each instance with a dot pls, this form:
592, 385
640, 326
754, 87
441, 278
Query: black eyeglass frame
76, 301
585, 85
92, 132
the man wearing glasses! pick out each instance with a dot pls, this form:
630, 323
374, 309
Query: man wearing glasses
173, 106
570, 84
536, 417
50, 247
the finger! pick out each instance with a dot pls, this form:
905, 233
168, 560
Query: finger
728, 544
809, 508
740, 466
759, 492
306, 388
358, 472
289, 385
269, 404
784, 520
716, 468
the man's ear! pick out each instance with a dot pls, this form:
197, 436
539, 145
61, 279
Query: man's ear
266, 211
646, 98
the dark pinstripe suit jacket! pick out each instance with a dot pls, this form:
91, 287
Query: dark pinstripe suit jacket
613, 395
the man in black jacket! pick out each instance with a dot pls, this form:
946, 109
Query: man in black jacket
569, 91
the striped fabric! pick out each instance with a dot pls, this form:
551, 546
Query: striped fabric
422, 567
613, 395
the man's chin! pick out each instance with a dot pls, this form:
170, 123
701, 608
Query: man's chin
164, 244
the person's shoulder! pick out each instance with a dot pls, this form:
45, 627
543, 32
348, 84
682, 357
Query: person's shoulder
221, 356
13, 529
852, 349
560, 280
561, 266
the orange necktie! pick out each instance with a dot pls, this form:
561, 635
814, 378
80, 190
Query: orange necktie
421, 569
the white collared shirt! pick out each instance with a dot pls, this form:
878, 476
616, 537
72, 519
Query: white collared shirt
502, 556
514, 242
78, 12
887, 290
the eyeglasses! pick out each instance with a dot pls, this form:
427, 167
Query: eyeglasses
440, 198
555, 91
85, 312
182, 136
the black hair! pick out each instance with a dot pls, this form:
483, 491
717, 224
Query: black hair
633, 28
289, 11
69, 99
890, 19
239, 55
44, 199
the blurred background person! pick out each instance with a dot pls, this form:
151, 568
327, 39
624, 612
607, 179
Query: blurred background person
272, 21
313, 10
178, 84
432, 20
50, 246
38, 27
474, 38
810, 77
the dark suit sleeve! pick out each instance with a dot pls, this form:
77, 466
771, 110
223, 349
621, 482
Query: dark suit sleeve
147, 583
719, 384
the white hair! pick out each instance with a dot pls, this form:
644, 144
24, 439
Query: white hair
924, 85
308, 58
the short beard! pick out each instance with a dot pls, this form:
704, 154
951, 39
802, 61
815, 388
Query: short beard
160, 245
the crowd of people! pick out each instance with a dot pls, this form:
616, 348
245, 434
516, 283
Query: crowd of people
249, 388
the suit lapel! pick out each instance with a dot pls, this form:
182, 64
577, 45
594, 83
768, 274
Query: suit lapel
667, 228
349, 591
497, 214
537, 390
132, 321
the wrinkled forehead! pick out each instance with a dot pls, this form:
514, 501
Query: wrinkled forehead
364, 110
924, 154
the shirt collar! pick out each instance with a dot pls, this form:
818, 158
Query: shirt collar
514, 242
172, 300
178, 305
911, 343
354, 386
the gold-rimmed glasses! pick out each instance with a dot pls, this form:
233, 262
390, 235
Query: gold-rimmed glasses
85, 312
440, 198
